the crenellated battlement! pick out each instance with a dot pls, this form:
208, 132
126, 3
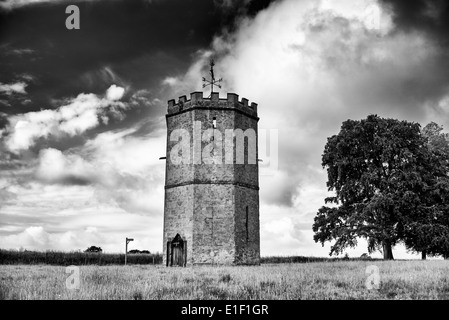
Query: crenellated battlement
197, 100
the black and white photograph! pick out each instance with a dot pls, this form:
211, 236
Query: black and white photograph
224, 153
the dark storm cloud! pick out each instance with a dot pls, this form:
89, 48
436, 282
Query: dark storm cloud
3, 120
113, 33
431, 16
138, 41
132, 43
233, 10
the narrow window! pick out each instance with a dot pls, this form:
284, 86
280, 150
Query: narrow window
214, 126
247, 224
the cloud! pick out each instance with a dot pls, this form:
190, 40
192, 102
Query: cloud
80, 114
15, 4
311, 65
55, 167
102, 75
429, 16
191, 80
114, 93
76, 221
171, 81
129, 170
5, 195
18, 87
23, 51
37, 238
123, 170
142, 98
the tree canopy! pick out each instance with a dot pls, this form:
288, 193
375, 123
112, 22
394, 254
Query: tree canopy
390, 186
93, 249
428, 228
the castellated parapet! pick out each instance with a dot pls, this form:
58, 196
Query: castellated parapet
198, 101
211, 210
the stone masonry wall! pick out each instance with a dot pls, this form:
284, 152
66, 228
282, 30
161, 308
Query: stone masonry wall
178, 218
247, 243
179, 173
218, 170
213, 228
247, 173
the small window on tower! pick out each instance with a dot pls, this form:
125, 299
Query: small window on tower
246, 225
214, 122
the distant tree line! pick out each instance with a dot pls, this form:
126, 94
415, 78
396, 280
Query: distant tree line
135, 251
75, 258
390, 180
94, 249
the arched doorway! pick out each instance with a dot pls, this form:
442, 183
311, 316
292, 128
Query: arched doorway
177, 252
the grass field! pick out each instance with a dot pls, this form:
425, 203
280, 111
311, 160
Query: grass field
317, 280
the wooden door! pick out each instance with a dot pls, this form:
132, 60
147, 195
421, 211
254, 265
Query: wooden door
178, 251
178, 255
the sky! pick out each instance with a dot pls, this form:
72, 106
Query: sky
82, 112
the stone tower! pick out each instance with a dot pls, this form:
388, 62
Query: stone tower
211, 213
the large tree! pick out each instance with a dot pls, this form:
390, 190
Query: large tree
376, 167
427, 228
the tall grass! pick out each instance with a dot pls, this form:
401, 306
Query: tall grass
75, 258
318, 280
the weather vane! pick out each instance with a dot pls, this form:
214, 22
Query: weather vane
212, 82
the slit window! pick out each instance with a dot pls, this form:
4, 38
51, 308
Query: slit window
247, 224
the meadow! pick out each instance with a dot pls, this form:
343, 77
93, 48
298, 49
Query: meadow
315, 280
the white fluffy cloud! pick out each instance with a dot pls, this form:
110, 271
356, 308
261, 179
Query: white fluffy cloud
17, 87
72, 217
123, 170
80, 114
115, 93
55, 167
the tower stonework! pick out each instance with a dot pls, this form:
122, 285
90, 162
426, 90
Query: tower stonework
211, 213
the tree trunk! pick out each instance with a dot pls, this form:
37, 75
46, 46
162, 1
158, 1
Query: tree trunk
388, 252
424, 255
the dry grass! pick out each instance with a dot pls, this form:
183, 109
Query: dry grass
320, 280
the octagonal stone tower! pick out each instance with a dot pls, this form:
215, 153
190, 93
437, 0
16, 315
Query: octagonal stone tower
211, 213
